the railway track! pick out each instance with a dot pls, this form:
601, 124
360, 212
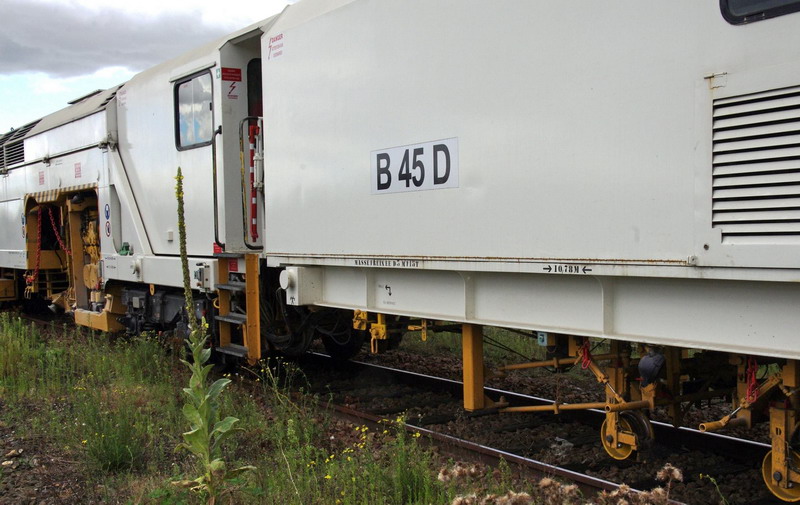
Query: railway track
567, 446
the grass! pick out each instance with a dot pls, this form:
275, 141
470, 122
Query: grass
109, 401
113, 407
501, 346
311, 459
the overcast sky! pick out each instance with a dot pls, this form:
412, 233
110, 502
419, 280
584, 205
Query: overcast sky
52, 51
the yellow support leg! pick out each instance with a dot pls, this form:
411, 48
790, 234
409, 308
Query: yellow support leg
472, 345
253, 327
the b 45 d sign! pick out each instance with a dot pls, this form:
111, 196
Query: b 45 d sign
417, 167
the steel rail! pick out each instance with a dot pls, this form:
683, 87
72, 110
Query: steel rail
584, 481
664, 432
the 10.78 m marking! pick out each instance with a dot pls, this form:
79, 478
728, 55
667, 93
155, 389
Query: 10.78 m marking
416, 167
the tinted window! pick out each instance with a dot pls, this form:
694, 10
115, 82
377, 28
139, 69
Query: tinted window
194, 119
747, 11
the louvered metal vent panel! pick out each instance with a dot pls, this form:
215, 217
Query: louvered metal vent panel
12, 148
756, 165
14, 153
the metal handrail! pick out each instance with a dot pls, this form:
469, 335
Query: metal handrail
242, 123
218, 131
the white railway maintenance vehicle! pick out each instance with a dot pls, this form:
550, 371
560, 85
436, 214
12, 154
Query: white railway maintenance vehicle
620, 170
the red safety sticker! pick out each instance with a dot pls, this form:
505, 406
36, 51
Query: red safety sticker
233, 265
275, 47
231, 74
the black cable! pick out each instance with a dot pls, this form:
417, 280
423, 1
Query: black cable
504, 347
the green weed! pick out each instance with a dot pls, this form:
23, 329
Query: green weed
207, 432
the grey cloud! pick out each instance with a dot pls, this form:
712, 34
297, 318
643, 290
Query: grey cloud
67, 41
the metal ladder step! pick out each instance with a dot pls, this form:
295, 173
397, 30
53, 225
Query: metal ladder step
232, 286
227, 255
233, 318
237, 350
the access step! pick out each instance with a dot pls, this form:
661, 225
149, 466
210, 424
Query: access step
233, 318
236, 350
228, 255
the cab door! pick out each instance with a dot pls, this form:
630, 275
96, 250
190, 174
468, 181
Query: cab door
239, 179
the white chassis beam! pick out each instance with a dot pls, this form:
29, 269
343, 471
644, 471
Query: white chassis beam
748, 317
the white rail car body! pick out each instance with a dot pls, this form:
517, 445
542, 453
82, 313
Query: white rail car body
625, 170
622, 171
601, 169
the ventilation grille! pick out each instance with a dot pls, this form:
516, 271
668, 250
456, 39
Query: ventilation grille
756, 167
14, 153
12, 146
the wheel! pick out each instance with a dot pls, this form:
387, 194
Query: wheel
785, 494
341, 341
344, 345
293, 343
396, 337
632, 422
394, 340
285, 329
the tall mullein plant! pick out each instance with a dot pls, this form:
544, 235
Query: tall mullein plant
207, 432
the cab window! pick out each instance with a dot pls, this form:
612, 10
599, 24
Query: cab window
739, 12
193, 112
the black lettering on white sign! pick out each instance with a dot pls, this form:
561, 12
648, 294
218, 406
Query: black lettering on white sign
417, 167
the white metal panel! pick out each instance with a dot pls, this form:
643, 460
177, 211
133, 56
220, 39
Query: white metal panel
88, 131
744, 317
78, 168
145, 121
160, 270
572, 304
14, 184
586, 166
584, 156
736, 316
586, 144
12, 231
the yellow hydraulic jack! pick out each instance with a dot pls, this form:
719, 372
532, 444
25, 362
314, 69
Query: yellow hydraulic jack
378, 334
378, 330
781, 466
385, 331
746, 399
626, 430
